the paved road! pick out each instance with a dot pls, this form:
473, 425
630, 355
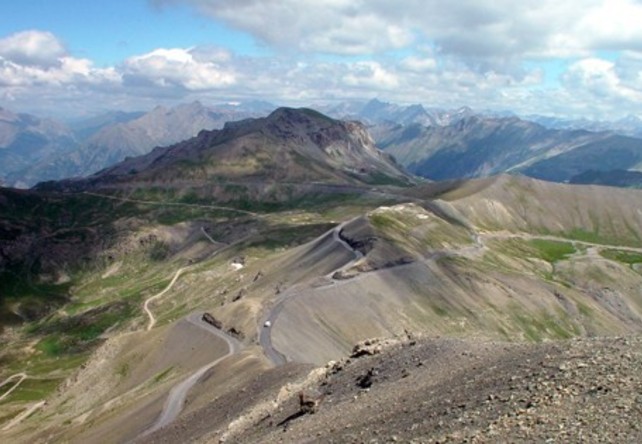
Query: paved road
176, 398
265, 333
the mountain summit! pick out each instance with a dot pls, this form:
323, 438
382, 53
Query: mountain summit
288, 146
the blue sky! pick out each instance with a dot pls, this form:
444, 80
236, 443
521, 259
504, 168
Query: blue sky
107, 32
72, 58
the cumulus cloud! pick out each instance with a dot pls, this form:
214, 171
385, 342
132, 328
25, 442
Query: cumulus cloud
32, 48
595, 78
370, 75
183, 68
447, 54
346, 27
468, 28
39, 58
70, 71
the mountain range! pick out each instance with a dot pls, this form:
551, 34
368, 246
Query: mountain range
433, 143
96, 143
282, 278
479, 146
26, 139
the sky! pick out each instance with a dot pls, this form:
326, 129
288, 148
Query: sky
76, 58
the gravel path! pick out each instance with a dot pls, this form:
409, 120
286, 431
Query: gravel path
20, 376
152, 319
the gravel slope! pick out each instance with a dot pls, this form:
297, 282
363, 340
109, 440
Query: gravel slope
447, 390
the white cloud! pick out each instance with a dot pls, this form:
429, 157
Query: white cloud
598, 79
70, 71
613, 25
370, 75
419, 64
438, 53
38, 58
183, 68
467, 28
346, 27
32, 48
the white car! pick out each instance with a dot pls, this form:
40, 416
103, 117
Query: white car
267, 324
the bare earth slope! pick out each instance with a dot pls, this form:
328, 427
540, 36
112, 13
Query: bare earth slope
445, 390
522, 266
489, 264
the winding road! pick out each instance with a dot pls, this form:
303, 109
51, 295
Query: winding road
265, 333
177, 395
152, 319
20, 376
23, 415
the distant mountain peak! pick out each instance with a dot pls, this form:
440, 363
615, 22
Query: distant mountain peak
297, 115
291, 145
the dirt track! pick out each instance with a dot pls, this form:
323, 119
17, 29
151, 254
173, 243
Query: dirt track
21, 376
152, 319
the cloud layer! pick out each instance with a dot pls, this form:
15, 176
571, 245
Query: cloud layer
578, 58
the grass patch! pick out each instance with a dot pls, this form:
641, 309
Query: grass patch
552, 251
75, 334
159, 251
44, 365
439, 311
584, 309
626, 257
545, 326
386, 220
585, 236
51, 346
33, 390
123, 370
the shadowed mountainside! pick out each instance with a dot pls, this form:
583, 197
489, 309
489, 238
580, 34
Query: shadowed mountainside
481, 146
26, 139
